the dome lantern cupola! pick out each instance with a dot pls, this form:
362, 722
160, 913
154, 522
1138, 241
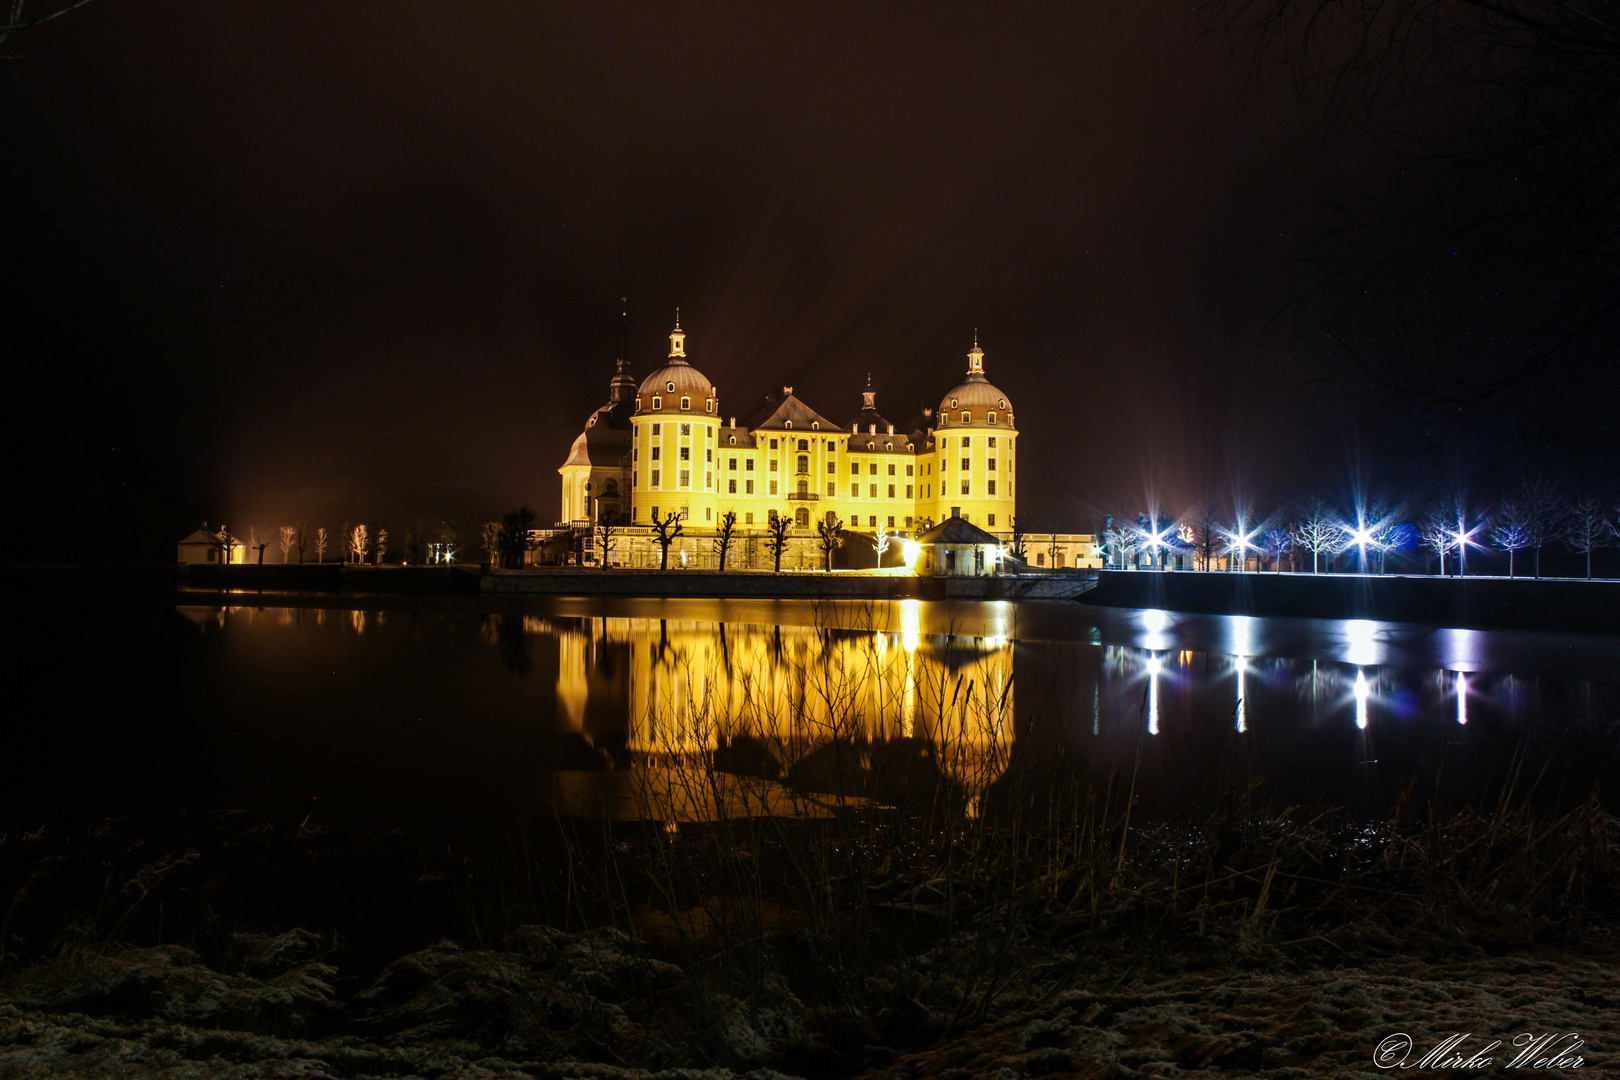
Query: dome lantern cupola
976, 357
677, 340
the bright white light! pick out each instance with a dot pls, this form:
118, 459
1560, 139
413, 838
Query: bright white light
910, 550
1362, 641
1153, 669
910, 623
1242, 635
1154, 621
1242, 710
1363, 692
1462, 698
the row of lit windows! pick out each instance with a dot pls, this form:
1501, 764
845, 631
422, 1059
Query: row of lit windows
686, 402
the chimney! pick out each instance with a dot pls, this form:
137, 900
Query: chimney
956, 511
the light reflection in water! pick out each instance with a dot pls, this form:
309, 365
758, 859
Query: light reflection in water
1241, 710
1462, 697
1362, 692
1361, 642
1154, 667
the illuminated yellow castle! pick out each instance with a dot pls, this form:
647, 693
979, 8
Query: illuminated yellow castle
667, 448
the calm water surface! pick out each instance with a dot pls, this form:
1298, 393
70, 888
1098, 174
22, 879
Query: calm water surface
433, 704
552, 701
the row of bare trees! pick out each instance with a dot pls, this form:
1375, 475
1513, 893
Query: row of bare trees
1535, 517
366, 543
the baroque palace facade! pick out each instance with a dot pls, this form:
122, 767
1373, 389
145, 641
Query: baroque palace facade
666, 446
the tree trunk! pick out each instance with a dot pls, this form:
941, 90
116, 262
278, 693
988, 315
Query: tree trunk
663, 557
1510, 564
1538, 562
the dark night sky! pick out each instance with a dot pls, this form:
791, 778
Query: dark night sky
269, 263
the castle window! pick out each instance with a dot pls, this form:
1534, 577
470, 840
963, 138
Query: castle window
888, 446
966, 464
909, 495
891, 521
773, 444
991, 519
686, 430
748, 465
815, 425
657, 404
854, 468
872, 491
992, 484
967, 418
686, 478
787, 424
909, 468
748, 518
891, 495
804, 444
633, 480
832, 488
891, 468
1003, 404
967, 487
1040, 560
992, 442
748, 487
908, 523
686, 403
804, 463
731, 463
657, 428
708, 513
773, 487
686, 453
773, 464
708, 404
731, 487
655, 513
638, 403
832, 467
635, 453
872, 468
871, 446
708, 480
872, 521
953, 400
670, 387
656, 451
990, 419
854, 491
708, 453
655, 481
801, 517
734, 440
992, 464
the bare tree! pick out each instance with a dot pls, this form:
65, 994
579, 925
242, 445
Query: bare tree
607, 536
303, 543
1317, 531
1052, 548
1438, 531
1122, 540
254, 544
360, 542
513, 538
225, 541
831, 531
289, 537
1543, 514
1277, 543
880, 542
724, 535
667, 529
1206, 537
1020, 534
776, 537
490, 538
321, 541
1512, 531
1586, 529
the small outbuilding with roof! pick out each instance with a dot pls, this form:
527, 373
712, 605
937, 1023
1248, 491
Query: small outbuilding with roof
958, 548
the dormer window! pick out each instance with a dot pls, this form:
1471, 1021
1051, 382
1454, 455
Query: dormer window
787, 424
1003, 404
734, 440
953, 400
990, 419
888, 446
967, 418
871, 446
670, 387
815, 425
686, 403
657, 404
638, 402
708, 405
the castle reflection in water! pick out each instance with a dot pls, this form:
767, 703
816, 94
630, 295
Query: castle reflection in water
681, 688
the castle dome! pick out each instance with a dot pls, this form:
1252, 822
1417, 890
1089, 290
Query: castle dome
676, 380
974, 395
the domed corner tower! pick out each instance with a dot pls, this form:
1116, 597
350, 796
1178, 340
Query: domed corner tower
674, 431
975, 452
596, 475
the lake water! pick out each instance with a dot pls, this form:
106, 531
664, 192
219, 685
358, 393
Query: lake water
424, 704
